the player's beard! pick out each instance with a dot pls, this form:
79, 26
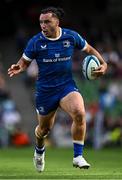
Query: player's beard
50, 33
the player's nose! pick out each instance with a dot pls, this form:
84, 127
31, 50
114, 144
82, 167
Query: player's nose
43, 26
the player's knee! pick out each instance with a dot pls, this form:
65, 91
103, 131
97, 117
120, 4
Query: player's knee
41, 133
45, 132
79, 116
37, 132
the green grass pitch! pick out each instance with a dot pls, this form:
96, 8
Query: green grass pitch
16, 163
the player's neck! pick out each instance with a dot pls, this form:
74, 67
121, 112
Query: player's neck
57, 33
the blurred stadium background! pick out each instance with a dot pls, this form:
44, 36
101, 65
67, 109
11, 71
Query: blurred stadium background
97, 21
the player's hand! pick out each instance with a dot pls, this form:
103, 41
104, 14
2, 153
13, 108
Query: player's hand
101, 70
14, 69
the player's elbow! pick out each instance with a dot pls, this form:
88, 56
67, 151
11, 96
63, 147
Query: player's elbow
88, 49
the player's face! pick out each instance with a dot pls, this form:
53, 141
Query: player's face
49, 24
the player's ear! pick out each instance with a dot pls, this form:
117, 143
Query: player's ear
57, 21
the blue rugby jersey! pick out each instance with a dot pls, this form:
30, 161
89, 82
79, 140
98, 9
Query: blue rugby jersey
54, 57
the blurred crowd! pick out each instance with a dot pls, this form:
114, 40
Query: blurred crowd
11, 133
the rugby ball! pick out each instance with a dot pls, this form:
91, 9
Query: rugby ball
90, 63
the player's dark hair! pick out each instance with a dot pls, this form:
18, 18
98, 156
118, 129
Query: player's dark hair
58, 12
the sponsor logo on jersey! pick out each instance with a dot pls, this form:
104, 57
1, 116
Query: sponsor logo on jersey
66, 43
57, 55
44, 46
75, 89
41, 109
57, 59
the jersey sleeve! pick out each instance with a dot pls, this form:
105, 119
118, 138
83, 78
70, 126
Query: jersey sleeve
80, 42
29, 52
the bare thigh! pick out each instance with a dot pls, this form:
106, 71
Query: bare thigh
46, 121
73, 103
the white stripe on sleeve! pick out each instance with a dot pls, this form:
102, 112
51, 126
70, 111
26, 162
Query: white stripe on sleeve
85, 46
27, 58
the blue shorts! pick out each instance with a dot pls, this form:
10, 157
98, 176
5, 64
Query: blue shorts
47, 102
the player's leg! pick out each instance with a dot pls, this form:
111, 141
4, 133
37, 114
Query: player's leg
45, 124
73, 104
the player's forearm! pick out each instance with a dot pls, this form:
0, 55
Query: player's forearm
23, 64
92, 51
